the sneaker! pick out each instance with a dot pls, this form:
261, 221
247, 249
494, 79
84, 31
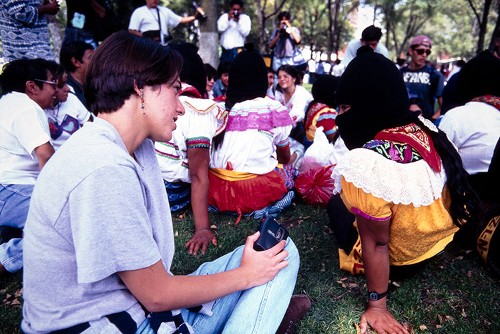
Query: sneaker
297, 309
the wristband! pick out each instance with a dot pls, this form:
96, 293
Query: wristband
373, 295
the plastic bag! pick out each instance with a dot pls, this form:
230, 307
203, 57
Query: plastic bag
320, 153
315, 185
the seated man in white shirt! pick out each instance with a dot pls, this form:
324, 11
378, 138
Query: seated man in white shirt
28, 87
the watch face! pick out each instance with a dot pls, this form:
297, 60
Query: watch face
373, 295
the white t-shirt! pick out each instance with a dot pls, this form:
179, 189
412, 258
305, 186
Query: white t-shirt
352, 49
297, 104
145, 19
252, 150
103, 212
65, 119
233, 33
195, 129
23, 127
474, 128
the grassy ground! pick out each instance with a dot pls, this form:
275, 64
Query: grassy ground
454, 294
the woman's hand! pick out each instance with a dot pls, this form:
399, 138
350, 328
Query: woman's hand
380, 320
200, 240
261, 267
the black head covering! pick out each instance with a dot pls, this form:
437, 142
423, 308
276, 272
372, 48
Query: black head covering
479, 76
247, 77
323, 90
374, 88
193, 70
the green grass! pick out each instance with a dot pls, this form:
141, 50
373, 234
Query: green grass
454, 294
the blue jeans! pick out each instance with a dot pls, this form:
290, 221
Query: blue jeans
257, 310
228, 55
277, 62
73, 35
14, 206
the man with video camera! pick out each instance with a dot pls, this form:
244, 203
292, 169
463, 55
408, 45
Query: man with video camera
153, 21
234, 27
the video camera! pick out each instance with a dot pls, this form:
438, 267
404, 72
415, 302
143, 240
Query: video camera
200, 13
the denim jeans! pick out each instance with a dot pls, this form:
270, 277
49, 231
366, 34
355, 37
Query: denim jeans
73, 35
277, 62
14, 206
256, 310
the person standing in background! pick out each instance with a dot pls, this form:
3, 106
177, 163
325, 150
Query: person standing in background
284, 40
234, 27
371, 36
153, 21
422, 80
24, 31
82, 21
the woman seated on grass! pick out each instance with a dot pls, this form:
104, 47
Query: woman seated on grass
321, 111
291, 94
402, 180
184, 160
244, 175
99, 237
67, 114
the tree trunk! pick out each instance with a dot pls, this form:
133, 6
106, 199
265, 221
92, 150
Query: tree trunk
483, 24
209, 37
56, 31
261, 18
496, 30
335, 46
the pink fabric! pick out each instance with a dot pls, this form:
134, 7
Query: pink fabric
259, 119
358, 212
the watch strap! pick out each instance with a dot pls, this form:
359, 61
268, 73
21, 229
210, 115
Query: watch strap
373, 295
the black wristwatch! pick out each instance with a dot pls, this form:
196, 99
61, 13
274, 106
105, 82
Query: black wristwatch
373, 295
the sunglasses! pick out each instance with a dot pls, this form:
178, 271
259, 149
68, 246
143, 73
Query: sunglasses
53, 83
422, 51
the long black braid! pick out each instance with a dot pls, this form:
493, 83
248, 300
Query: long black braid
465, 204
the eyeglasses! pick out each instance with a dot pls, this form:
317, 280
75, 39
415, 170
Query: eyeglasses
422, 51
53, 83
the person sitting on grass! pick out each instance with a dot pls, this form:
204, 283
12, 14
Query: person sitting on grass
219, 88
28, 87
402, 181
99, 240
184, 160
321, 111
67, 114
244, 175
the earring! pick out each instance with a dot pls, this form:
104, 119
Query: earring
142, 102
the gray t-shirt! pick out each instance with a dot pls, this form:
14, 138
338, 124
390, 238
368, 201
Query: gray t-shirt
94, 212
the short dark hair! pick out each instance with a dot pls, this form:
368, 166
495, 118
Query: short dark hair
73, 49
122, 60
17, 72
210, 71
223, 68
294, 72
193, 70
371, 33
285, 14
236, 2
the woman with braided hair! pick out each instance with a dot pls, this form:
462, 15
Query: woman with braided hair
401, 181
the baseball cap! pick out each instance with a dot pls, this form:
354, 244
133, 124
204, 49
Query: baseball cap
421, 40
